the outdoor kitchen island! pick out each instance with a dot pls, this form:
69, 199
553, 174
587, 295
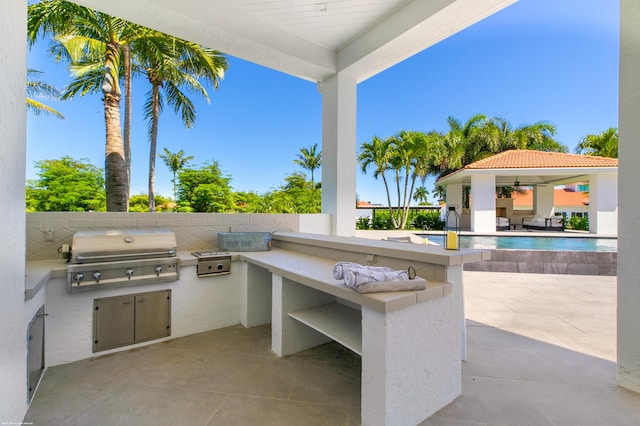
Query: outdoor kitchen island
411, 342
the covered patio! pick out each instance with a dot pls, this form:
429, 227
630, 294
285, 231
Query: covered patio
309, 40
542, 171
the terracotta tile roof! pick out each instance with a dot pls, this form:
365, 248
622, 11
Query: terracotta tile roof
528, 159
562, 197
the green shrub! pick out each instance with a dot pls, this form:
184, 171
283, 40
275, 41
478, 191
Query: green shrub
578, 223
427, 220
382, 220
362, 223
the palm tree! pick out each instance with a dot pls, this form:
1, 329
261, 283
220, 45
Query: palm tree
377, 153
310, 160
464, 143
81, 36
539, 137
172, 66
37, 88
440, 192
603, 144
421, 195
175, 162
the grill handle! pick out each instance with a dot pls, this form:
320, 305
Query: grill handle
110, 257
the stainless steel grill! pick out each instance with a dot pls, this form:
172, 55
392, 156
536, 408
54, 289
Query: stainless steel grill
111, 258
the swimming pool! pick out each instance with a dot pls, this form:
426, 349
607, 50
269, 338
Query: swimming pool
533, 243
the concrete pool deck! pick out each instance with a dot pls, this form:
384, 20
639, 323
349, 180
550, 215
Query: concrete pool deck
542, 351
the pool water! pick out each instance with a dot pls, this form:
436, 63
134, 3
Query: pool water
533, 243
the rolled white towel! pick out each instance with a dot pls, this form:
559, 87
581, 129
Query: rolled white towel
340, 269
359, 277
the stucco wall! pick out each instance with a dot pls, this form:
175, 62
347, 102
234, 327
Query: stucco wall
629, 237
197, 305
13, 63
194, 231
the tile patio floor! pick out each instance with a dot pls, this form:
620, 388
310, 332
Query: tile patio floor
541, 351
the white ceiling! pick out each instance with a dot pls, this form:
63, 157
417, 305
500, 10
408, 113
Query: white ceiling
311, 39
331, 24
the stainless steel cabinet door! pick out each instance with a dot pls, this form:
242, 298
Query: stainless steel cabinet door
113, 322
153, 315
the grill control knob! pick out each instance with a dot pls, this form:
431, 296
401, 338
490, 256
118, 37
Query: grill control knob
78, 277
96, 276
129, 273
157, 270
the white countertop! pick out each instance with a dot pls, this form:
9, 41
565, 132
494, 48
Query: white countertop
316, 273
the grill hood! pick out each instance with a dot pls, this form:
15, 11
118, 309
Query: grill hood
116, 245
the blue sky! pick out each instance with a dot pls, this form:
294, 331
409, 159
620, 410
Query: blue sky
552, 60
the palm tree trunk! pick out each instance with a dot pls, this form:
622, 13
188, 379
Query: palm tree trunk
116, 181
386, 188
126, 53
115, 169
152, 149
175, 199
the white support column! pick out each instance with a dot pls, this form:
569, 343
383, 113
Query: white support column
13, 69
453, 198
339, 152
603, 204
628, 374
543, 200
483, 203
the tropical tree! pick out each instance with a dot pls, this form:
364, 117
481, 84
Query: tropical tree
140, 203
377, 155
480, 137
204, 189
39, 89
464, 142
173, 66
421, 195
66, 184
604, 144
175, 162
81, 36
309, 159
537, 136
440, 192
410, 157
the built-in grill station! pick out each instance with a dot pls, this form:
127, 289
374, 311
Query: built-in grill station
212, 262
117, 258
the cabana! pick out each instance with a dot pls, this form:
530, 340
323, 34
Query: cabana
542, 171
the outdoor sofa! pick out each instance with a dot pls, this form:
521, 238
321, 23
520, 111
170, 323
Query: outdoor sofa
553, 223
502, 223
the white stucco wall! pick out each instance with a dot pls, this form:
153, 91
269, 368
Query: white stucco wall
543, 200
483, 203
603, 204
197, 305
13, 64
194, 231
629, 241
454, 197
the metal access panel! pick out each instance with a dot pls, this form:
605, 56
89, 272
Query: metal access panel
113, 322
153, 315
35, 351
